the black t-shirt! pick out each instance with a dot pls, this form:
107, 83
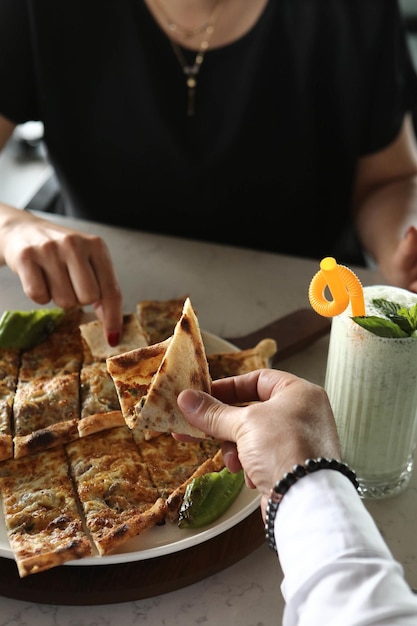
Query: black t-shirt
282, 115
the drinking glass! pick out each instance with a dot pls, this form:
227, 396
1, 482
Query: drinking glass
371, 382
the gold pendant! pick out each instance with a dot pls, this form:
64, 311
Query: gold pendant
191, 85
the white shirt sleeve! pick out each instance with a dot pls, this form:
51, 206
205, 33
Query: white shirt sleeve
337, 568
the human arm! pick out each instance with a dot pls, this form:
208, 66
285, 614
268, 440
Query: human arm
385, 206
330, 550
6, 130
59, 264
333, 556
295, 423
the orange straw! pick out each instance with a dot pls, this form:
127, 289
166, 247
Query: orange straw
343, 284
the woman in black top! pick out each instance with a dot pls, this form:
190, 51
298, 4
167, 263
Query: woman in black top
281, 125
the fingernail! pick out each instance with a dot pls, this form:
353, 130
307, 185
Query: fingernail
190, 400
228, 457
113, 339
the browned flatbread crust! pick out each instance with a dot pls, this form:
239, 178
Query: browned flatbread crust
60, 353
171, 462
9, 369
116, 492
184, 365
6, 447
158, 318
174, 500
99, 421
46, 438
132, 336
40, 507
100, 407
132, 374
97, 391
46, 412
46, 402
224, 364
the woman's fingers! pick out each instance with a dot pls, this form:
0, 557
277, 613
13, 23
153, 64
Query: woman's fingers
67, 267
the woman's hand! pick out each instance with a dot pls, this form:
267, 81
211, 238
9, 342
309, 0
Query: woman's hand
287, 420
385, 205
403, 267
62, 265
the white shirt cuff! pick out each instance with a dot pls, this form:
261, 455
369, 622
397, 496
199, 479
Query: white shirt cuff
336, 565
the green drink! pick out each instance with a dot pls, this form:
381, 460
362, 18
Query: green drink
371, 382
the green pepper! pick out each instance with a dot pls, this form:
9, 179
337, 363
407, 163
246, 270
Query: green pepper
208, 496
25, 329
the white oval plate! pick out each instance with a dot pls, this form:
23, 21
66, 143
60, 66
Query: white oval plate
167, 539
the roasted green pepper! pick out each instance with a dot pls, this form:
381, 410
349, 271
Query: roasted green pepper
25, 329
208, 496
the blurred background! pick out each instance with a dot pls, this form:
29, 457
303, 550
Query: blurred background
27, 180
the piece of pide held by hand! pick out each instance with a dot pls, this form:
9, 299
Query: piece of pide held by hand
149, 379
184, 366
132, 336
132, 373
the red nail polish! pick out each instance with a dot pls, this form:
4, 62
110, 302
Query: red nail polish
113, 339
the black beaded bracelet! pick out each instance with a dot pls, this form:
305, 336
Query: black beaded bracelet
282, 486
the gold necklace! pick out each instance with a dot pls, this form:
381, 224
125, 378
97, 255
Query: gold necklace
191, 71
182, 31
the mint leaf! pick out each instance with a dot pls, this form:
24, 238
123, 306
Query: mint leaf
399, 322
403, 322
410, 314
380, 326
386, 307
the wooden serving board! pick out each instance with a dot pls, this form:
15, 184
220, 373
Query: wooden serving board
293, 332
125, 582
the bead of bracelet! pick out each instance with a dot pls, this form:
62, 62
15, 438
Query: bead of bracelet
282, 486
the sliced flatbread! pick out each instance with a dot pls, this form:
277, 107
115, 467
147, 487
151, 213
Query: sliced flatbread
118, 498
213, 464
171, 462
158, 318
40, 508
46, 403
100, 407
132, 374
133, 336
148, 380
183, 366
224, 364
9, 370
46, 413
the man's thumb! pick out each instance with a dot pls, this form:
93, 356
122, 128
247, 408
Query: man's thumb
203, 411
190, 400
